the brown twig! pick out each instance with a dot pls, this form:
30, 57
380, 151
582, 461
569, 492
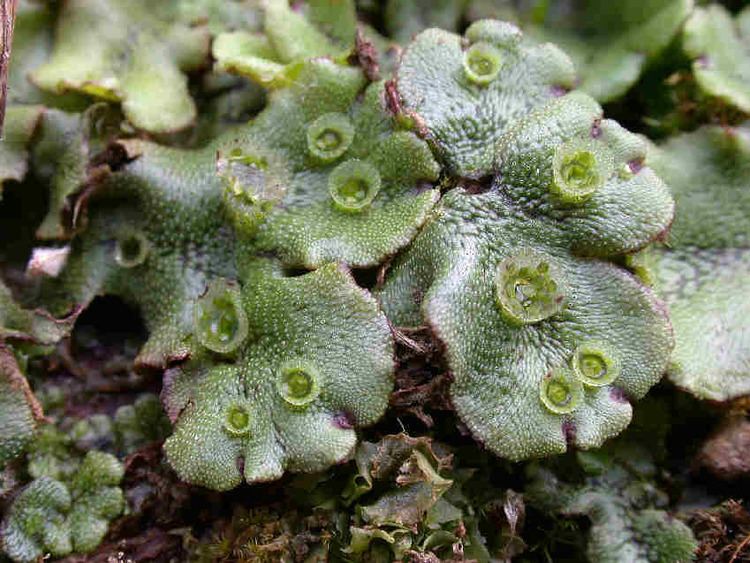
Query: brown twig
740, 548
8, 17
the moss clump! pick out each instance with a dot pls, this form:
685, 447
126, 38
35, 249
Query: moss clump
61, 517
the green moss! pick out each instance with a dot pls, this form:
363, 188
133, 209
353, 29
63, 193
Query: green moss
615, 488
140, 424
405, 18
36, 522
52, 454
96, 499
704, 270
667, 539
323, 28
122, 51
719, 47
35, 326
19, 409
610, 45
60, 517
20, 124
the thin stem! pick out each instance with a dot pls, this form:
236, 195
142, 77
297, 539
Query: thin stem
8, 16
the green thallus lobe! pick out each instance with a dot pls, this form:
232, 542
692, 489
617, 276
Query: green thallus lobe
528, 289
220, 322
353, 185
